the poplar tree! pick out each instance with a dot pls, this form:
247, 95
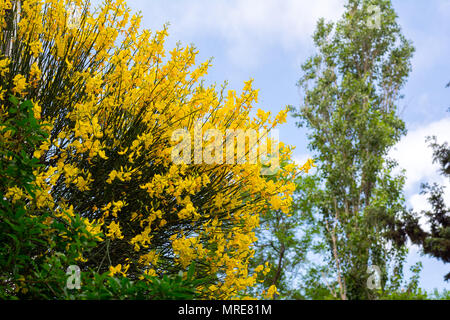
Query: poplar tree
351, 88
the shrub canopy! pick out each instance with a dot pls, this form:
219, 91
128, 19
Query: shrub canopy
111, 97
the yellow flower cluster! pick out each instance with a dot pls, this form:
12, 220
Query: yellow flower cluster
114, 231
14, 193
308, 165
119, 270
116, 99
20, 85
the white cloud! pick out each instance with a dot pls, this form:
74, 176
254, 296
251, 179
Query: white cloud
246, 27
419, 202
300, 159
416, 157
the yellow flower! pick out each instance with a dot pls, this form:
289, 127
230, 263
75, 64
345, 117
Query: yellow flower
149, 272
4, 63
272, 291
20, 84
82, 184
276, 202
114, 231
35, 74
281, 117
36, 110
36, 48
93, 228
102, 154
162, 223
14, 193
259, 268
114, 270
70, 171
308, 165
118, 270
112, 176
248, 85
132, 82
117, 206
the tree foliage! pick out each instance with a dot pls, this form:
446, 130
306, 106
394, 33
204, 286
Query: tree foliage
284, 240
351, 88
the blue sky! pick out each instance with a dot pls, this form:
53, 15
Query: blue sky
268, 40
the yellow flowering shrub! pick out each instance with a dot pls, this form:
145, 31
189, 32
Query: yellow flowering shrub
113, 98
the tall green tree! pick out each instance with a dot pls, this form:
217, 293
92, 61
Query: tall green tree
351, 88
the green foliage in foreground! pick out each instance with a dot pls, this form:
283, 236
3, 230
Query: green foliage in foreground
34, 257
